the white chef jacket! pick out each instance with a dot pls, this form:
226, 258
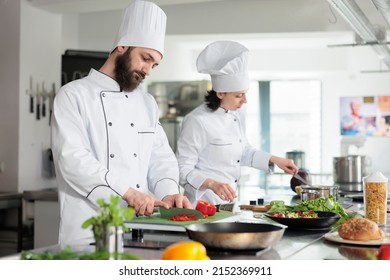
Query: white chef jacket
212, 144
105, 141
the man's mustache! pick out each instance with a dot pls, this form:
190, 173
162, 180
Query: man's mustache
142, 75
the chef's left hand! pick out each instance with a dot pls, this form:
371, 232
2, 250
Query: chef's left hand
287, 165
177, 200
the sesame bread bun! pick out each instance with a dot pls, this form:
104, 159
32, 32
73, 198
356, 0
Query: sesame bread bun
360, 229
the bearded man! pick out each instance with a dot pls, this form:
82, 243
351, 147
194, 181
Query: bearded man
106, 135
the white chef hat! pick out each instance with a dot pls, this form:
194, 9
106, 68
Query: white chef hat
143, 25
227, 64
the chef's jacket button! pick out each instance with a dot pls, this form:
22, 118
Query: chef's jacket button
238, 160
104, 94
235, 181
138, 186
110, 123
235, 120
126, 96
131, 124
240, 141
135, 155
112, 155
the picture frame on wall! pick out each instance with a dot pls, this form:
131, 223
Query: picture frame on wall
365, 116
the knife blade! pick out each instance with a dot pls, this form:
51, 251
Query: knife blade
299, 177
226, 207
173, 211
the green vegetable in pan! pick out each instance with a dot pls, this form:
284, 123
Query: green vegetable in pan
321, 204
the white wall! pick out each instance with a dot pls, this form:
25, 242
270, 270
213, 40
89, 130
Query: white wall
40, 57
9, 89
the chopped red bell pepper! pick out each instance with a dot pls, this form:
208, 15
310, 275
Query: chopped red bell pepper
206, 208
184, 218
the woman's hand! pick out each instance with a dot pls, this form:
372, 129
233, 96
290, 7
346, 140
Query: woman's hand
287, 165
223, 190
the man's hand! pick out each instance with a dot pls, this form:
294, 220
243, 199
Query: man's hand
143, 204
177, 200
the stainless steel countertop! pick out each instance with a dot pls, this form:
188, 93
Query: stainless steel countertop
294, 245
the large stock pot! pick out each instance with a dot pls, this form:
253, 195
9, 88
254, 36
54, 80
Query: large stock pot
350, 169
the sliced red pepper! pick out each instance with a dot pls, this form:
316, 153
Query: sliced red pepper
206, 208
184, 218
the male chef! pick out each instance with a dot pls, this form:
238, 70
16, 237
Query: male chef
106, 135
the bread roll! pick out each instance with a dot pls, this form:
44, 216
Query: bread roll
360, 229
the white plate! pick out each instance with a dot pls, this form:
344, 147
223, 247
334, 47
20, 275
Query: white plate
334, 236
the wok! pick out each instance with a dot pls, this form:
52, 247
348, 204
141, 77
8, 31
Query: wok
235, 236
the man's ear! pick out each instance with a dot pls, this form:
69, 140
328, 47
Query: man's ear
122, 49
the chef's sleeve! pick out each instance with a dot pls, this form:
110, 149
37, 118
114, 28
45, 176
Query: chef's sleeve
251, 156
70, 144
163, 171
190, 144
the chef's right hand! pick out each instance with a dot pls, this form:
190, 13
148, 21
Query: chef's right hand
142, 203
223, 190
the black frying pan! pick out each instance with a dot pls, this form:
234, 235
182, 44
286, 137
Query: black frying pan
235, 236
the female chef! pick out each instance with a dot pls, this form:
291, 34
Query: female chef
212, 145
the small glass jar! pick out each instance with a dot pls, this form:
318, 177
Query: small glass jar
375, 197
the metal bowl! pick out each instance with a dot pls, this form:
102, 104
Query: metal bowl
314, 192
235, 236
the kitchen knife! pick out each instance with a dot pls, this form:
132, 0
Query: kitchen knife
38, 105
173, 211
305, 182
226, 207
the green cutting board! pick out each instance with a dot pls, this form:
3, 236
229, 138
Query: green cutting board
156, 219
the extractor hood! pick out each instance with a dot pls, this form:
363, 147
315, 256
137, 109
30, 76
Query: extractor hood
367, 33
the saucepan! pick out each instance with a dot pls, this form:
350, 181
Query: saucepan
314, 192
236, 235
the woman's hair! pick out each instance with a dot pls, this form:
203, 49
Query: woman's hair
212, 100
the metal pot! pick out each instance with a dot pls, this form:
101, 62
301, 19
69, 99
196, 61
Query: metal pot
311, 193
235, 236
349, 169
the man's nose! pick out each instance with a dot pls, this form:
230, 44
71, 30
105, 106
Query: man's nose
146, 69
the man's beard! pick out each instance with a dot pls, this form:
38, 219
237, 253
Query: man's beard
127, 78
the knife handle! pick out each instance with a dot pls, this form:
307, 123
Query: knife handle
31, 104
38, 111
44, 109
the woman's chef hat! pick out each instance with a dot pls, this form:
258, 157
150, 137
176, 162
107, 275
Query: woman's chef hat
227, 64
143, 25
